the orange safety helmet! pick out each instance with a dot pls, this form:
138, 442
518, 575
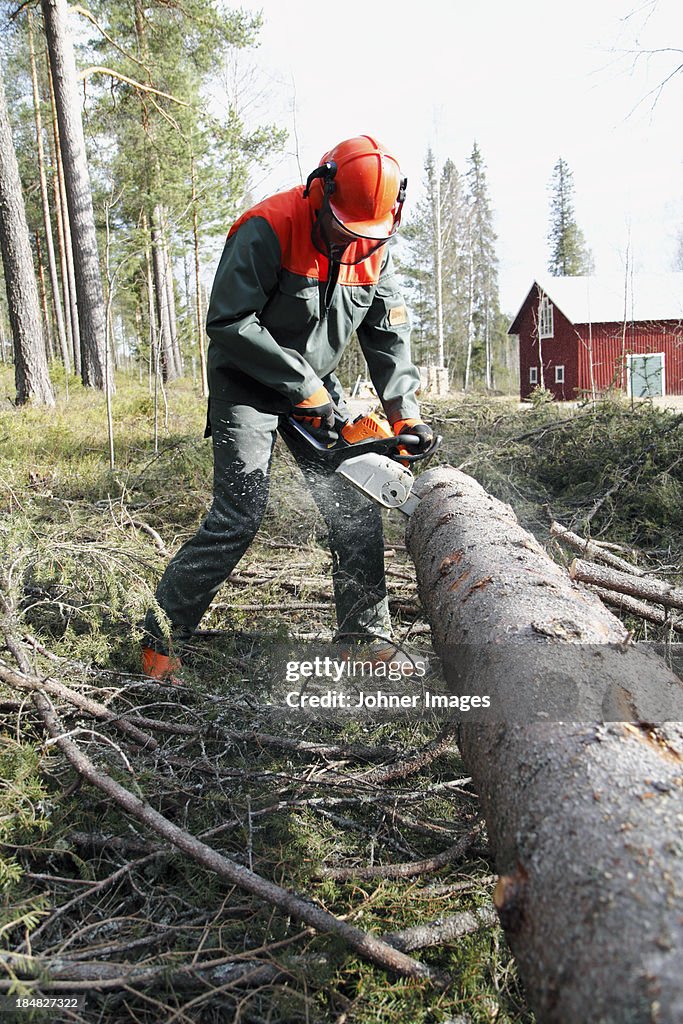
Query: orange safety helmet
362, 187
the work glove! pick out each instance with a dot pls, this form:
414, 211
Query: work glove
316, 415
418, 429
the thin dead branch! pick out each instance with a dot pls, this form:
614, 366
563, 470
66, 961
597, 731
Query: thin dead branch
410, 766
625, 583
407, 870
443, 931
33, 683
592, 549
99, 69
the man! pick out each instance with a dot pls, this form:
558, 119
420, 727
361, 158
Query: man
300, 272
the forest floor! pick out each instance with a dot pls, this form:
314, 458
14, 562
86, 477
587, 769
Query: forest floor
297, 800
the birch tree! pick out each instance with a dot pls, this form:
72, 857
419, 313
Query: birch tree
30, 361
433, 267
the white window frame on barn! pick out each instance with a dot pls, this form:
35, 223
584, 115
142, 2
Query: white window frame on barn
546, 324
559, 374
533, 375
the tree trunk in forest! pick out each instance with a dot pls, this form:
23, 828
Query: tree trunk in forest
64, 237
487, 338
197, 283
49, 349
169, 284
169, 369
470, 314
45, 201
438, 268
30, 361
584, 817
90, 297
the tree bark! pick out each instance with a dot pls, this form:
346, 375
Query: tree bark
170, 291
584, 818
168, 362
49, 348
64, 236
30, 363
640, 609
90, 296
197, 282
47, 219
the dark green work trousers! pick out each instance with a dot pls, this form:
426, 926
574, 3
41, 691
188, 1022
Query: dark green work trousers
243, 441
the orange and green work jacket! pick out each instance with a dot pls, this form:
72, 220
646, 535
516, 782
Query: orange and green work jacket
281, 315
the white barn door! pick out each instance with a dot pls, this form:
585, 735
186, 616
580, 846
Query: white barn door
646, 375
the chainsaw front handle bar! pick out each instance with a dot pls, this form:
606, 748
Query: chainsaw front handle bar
342, 450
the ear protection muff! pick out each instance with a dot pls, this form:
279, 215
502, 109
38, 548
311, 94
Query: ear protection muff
326, 172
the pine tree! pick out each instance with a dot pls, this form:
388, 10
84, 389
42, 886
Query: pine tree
89, 291
569, 254
181, 173
30, 362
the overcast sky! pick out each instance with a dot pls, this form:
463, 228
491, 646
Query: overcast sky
529, 81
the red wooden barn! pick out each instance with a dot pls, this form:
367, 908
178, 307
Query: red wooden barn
582, 335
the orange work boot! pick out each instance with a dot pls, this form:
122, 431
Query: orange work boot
160, 667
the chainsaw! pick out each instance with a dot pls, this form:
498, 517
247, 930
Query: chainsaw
369, 456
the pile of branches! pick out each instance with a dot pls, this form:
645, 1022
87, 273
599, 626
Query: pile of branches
634, 591
606, 469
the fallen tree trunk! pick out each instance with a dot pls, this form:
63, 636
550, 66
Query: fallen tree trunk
584, 818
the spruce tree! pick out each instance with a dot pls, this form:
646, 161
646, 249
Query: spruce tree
484, 303
569, 254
